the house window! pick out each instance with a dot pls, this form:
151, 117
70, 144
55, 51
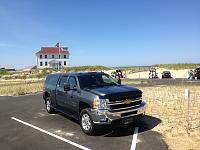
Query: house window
59, 56
46, 63
41, 64
45, 56
40, 56
52, 56
65, 63
64, 56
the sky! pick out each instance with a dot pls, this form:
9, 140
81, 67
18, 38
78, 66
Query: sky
101, 32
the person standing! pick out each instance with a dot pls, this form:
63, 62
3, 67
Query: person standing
190, 73
119, 79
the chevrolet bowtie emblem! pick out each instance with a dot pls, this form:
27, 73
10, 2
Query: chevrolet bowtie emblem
128, 101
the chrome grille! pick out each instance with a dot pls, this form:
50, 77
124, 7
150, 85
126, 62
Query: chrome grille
125, 104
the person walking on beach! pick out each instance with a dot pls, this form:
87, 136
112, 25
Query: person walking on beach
190, 73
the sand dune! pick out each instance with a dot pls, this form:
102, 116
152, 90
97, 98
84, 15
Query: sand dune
175, 74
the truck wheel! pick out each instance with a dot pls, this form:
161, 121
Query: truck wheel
49, 108
86, 122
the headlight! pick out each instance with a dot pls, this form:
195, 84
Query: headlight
100, 103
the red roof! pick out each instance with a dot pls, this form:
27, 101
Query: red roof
53, 50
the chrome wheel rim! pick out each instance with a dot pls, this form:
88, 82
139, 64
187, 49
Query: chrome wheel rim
48, 105
86, 123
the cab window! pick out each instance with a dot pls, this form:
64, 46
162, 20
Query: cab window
72, 82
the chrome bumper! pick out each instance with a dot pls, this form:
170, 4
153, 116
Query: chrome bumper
102, 117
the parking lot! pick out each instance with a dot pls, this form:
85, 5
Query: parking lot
25, 125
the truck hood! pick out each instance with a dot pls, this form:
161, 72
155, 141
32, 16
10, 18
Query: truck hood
114, 93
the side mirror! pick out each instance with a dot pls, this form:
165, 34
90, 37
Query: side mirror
66, 87
73, 87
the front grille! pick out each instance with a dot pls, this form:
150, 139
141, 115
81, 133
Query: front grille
125, 104
125, 100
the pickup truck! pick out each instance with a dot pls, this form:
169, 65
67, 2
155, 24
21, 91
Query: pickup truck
95, 99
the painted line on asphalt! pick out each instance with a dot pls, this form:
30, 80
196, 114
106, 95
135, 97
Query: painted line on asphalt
51, 134
134, 141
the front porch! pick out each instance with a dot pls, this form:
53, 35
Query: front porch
55, 64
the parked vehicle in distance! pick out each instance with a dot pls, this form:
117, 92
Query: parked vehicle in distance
93, 98
196, 73
166, 74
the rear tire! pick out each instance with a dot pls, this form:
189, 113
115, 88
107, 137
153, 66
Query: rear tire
49, 108
86, 122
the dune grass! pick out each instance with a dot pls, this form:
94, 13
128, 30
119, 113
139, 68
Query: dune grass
180, 125
20, 88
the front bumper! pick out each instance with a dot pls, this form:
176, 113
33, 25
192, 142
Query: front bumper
106, 117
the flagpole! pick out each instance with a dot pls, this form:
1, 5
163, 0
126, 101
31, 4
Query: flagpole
59, 55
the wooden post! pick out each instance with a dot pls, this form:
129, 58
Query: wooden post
187, 95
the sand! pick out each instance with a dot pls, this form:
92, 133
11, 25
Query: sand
175, 74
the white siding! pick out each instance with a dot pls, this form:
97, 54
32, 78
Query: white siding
49, 58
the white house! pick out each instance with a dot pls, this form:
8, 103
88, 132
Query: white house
53, 57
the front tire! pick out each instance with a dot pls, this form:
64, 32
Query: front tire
49, 108
86, 122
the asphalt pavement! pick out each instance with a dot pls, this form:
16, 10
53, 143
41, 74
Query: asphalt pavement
39, 130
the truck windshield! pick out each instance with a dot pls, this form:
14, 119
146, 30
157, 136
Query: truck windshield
96, 80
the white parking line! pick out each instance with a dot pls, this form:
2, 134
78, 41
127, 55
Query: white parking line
133, 146
51, 134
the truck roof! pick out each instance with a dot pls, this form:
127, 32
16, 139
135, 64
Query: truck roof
77, 73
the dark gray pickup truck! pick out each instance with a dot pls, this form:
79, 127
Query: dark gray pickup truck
93, 98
